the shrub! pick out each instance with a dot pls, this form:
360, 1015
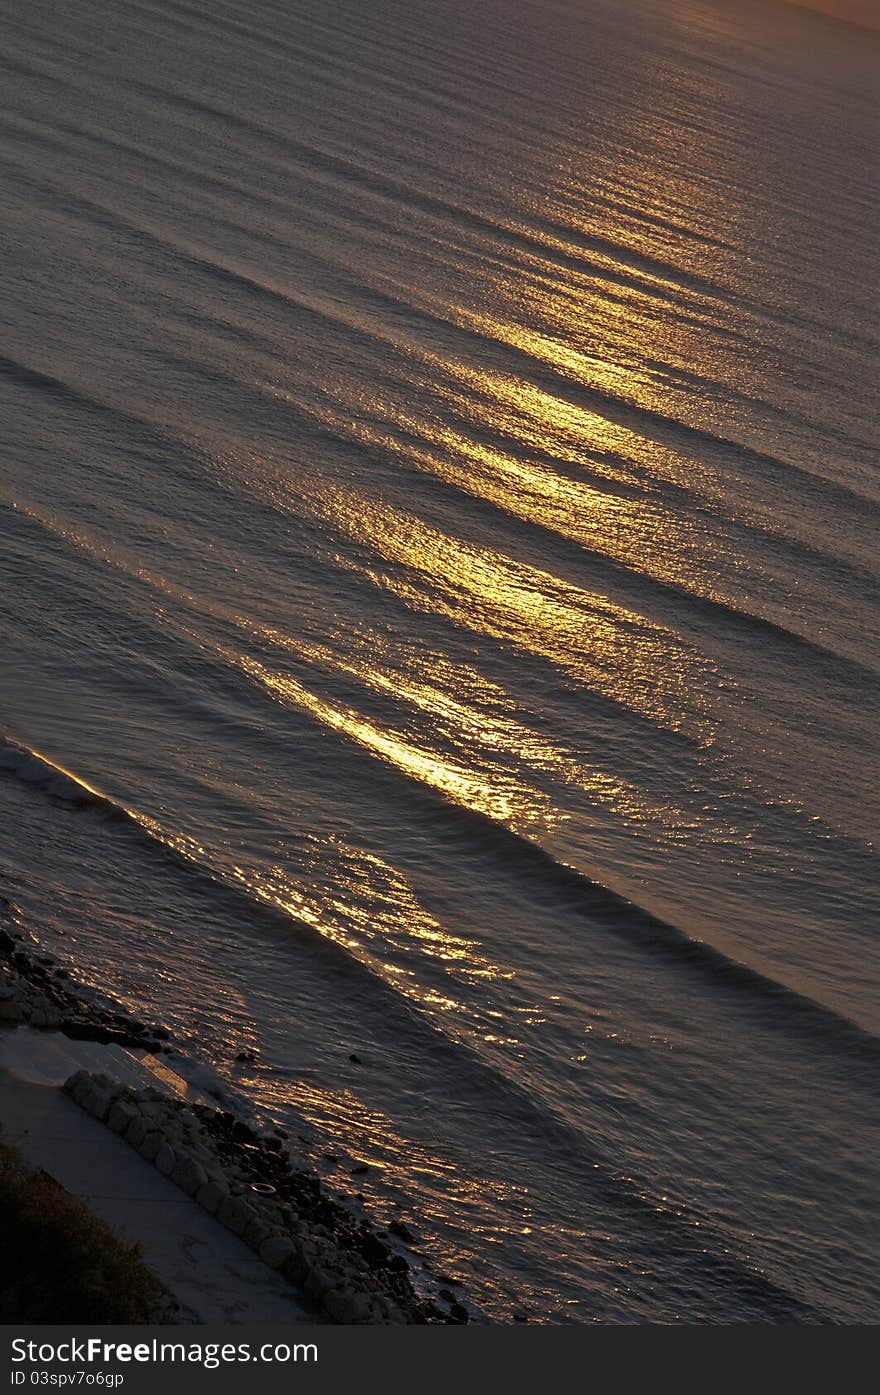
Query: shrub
62, 1264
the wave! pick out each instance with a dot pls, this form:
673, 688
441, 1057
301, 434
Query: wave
59, 389
648, 586
706, 1258
33, 769
522, 857
547, 248
620, 408
649, 590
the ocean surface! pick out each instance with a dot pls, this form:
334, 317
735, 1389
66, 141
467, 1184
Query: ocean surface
439, 599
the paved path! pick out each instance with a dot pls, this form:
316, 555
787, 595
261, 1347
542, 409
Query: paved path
212, 1274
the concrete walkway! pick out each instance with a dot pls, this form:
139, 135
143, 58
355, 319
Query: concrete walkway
212, 1274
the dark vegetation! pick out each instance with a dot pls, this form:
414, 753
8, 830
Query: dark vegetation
61, 1263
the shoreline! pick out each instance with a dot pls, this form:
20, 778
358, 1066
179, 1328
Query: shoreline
247, 1180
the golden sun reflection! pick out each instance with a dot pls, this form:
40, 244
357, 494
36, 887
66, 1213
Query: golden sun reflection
534, 451
497, 754
480, 724
624, 656
357, 900
628, 523
369, 906
501, 799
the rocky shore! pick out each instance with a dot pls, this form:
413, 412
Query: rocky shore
34, 990
247, 1180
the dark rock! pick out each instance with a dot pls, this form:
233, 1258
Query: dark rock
402, 1231
355, 1059
374, 1252
243, 1133
79, 1030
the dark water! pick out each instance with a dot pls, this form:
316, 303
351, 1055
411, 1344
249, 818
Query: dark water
438, 524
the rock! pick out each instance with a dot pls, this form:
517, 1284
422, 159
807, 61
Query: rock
243, 1133
152, 1142
121, 1115
210, 1196
376, 1254
166, 1158
10, 1010
256, 1232
235, 1215
37, 1017
136, 1132
294, 1267
276, 1251
355, 1059
318, 1282
75, 1085
243, 1225
336, 1304
98, 1102
81, 1086
218, 1179
388, 1312
350, 1308
189, 1174
359, 1309
402, 1231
